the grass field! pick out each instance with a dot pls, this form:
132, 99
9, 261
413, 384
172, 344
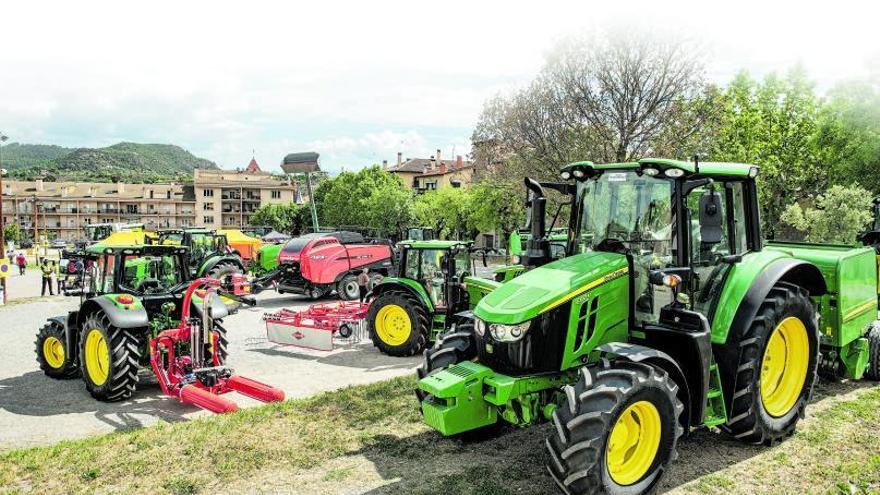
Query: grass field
371, 439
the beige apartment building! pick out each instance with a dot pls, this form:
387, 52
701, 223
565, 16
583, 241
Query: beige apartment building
429, 174
215, 199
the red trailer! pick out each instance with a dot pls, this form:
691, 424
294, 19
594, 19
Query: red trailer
317, 264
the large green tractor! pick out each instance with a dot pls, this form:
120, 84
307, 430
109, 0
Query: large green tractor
432, 288
129, 294
209, 253
676, 315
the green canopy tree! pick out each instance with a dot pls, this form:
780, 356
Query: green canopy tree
835, 216
291, 218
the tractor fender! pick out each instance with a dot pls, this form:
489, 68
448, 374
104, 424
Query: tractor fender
404, 284
647, 355
131, 316
218, 308
799, 272
213, 261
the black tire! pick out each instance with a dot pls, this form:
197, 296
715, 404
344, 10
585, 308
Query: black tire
578, 445
59, 365
315, 293
223, 351
419, 323
873, 371
741, 360
450, 348
123, 358
345, 331
348, 288
224, 269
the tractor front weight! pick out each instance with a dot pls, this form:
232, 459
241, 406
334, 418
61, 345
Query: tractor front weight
468, 396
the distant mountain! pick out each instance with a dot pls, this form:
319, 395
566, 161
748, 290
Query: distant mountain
128, 162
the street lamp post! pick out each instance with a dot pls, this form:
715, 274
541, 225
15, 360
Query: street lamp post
3, 138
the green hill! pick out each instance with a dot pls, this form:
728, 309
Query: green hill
129, 162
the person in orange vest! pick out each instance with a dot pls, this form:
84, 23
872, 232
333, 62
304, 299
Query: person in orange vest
47, 270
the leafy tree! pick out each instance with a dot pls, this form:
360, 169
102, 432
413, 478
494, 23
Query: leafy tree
495, 207
291, 218
370, 198
836, 216
12, 232
446, 211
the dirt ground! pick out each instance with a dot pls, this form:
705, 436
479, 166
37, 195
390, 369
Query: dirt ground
36, 410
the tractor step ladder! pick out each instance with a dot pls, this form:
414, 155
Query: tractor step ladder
716, 412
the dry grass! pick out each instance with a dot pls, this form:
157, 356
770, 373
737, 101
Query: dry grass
371, 439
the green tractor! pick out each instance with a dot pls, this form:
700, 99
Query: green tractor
432, 288
676, 315
129, 294
209, 253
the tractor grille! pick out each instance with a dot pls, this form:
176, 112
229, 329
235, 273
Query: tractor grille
459, 371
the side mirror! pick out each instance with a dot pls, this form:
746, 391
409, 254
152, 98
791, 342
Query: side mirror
710, 218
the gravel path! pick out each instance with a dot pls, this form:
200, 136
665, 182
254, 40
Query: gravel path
36, 410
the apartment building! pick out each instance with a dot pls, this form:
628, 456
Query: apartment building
428, 174
65, 208
215, 199
227, 198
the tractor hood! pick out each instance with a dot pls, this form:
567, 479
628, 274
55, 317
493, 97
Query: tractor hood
549, 286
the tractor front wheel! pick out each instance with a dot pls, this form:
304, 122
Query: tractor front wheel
51, 355
771, 366
109, 358
398, 324
450, 348
616, 431
223, 270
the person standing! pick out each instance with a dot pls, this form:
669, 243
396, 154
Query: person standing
363, 279
21, 261
46, 268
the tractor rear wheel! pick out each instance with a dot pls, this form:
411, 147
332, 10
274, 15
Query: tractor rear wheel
109, 358
348, 288
616, 431
398, 323
51, 355
450, 348
770, 367
873, 371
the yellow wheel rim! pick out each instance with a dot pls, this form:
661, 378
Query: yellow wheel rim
97, 357
393, 325
53, 352
784, 368
633, 443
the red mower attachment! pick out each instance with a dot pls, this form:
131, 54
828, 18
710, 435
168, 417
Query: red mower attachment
186, 365
316, 327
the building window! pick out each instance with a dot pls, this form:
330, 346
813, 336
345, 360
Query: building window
168, 194
276, 194
132, 209
208, 193
208, 206
208, 220
151, 194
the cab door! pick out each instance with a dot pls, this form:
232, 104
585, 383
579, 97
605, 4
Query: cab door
717, 229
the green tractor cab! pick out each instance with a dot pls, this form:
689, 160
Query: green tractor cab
669, 312
433, 285
209, 251
128, 295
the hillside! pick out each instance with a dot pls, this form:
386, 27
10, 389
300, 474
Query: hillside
129, 162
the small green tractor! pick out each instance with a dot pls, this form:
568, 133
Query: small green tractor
129, 295
433, 286
669, 312
209, 253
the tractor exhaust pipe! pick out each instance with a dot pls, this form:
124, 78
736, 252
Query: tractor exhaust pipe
537, 250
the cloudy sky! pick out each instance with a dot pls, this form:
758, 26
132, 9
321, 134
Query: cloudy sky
354, 81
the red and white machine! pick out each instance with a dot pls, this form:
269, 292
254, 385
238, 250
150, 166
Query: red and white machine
186, 365
317, 326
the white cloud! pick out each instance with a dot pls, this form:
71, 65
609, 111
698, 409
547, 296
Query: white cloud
354, 81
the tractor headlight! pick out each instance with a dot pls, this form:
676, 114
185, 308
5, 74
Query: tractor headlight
565, 175
515, 259
480, 327
650, 172
579, 173
508, 333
